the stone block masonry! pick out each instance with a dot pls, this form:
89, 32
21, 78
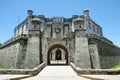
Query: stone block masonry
82, 56
77, 39
33, 49
8, 56
94, 57
12, 53
108, 53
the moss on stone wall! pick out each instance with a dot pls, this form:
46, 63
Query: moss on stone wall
1, 67
116, 67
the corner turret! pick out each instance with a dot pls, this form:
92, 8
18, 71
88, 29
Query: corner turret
86, 13
30, 12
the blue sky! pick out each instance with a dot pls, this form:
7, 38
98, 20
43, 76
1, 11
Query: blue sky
104, 12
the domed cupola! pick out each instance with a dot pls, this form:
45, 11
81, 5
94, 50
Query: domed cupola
79, 20
79, 23
36, 22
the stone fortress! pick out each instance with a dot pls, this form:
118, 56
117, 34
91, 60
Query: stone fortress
59, 41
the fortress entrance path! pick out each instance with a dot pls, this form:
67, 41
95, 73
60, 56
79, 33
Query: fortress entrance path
57, 73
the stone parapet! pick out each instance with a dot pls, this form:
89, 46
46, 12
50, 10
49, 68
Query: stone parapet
103, 39
32, 72
109, 54
94, 71
23, 36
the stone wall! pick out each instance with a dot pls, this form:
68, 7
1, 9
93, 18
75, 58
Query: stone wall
94, 56
8, 56
109, 54
30, 72
12, 54
82, 56
33, 57
94, 71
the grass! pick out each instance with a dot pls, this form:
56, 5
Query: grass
1, 67
116, 67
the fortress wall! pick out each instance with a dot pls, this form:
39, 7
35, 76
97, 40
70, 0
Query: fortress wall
12, 53
33, 52
94, 57
109, 54
82, 56
8, 55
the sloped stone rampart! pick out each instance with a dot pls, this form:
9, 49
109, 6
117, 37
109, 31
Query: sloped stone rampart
12, 52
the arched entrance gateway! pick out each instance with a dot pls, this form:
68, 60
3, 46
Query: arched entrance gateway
57, 55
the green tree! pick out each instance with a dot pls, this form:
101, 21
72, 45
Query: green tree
0, 44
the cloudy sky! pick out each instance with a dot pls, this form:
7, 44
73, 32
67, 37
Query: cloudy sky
104, 12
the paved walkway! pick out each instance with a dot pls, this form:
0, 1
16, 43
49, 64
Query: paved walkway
10, 76
102, 77
60, 73
57, 73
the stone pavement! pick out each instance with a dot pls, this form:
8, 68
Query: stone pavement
57, 73
10, 76
102, 77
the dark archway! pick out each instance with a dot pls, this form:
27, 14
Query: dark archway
58, 53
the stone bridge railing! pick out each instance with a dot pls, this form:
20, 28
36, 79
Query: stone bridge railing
94, 71
31, 72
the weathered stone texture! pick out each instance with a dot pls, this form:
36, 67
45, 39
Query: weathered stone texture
60, 40
8, 56
22, 54
94, 57
109, 54
11, 55
33, 49
82, 57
